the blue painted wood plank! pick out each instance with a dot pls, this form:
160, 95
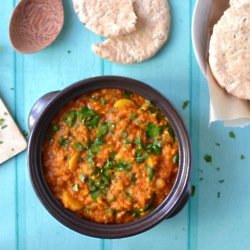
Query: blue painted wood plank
8, 169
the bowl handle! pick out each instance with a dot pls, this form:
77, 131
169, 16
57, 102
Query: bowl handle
182, 202
39, 106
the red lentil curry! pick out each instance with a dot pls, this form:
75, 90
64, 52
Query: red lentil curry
110, 156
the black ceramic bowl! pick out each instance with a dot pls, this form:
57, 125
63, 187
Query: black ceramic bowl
40, 117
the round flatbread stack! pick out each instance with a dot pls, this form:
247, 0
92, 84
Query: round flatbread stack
106, 17
152, 30
229, 50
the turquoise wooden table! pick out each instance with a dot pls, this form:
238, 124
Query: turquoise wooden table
218, 214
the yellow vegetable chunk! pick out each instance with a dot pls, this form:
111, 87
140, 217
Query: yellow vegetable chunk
70, 202
122, 103
73, 162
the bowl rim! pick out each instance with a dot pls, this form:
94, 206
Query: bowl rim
68, 218
198, 34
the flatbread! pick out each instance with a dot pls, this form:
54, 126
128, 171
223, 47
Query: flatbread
107, 17
229, 51
238, 2
152, 30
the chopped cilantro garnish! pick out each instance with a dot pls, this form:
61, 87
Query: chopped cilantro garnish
1, 142
95, 194
218, 195
185, 104
217, 144
54, 128
176, 158
150, 172
4, 126
1, 121
152, 130
89, 117
94, 148
232, 134
221, 181
103, 101
127, 94
170, 131
70, 118
133, 178
123, 166
154, 148
102, 129
78, 146
64, 141
242, 157
208, 158
140, 156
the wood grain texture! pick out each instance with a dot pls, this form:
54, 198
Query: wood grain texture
208, 222
35, 24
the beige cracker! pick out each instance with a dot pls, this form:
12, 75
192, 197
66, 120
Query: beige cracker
11, 140
106, 17
152, 30
229, 51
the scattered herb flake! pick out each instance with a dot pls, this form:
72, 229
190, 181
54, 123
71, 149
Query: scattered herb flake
5, 113
152, 130
221, 181
12, 149
155, 148
64, 141
70, 118
200, 170
201, 179
176, 158
242, 157
232, 135
78, 146
1, 142
193, 189
4, 126
54, 128
133, 178
103, 101
1, 121
185, 104
102, 130
217, 144
69, 51
218, 195
208, 158
127, 94
218, 169
89, 117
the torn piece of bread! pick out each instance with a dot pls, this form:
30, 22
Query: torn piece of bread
229, 50
11, 140
152, 30
106, 17
238, 2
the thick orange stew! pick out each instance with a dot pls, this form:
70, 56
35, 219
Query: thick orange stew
110, 156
